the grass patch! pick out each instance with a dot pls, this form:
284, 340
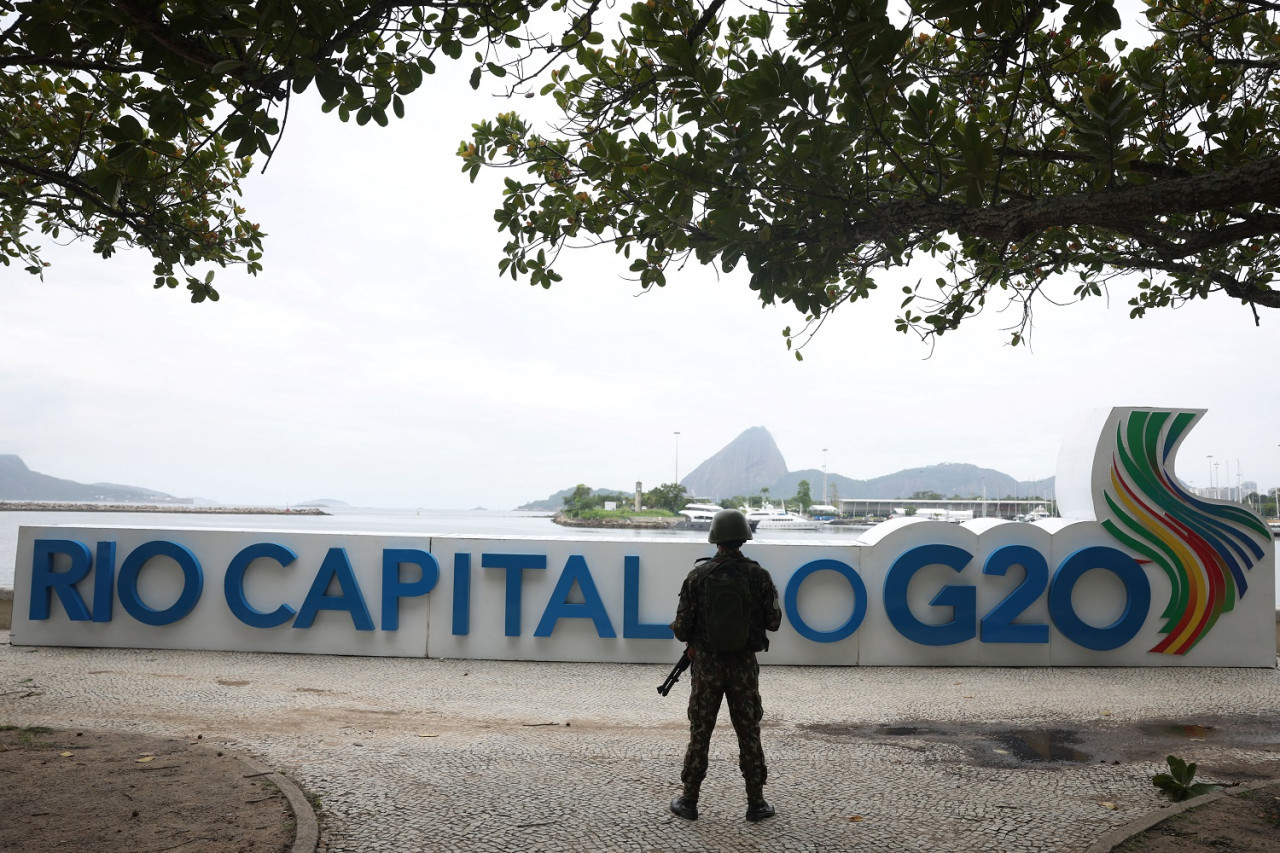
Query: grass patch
28, 735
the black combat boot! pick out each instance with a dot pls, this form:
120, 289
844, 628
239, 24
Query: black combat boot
758, 811
685, 807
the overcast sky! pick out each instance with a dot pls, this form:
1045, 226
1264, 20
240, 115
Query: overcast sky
380, 360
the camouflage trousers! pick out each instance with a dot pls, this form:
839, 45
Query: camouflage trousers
735, 677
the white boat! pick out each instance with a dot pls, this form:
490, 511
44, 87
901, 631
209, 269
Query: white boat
955, 516
769, 517
823, 512
1036, 514
698, 516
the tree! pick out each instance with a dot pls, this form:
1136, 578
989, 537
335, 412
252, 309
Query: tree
579, 501
820, 142
804, 496
133, 123
668, 496
583, 498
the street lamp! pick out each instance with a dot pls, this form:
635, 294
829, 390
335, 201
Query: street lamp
677, 480
824, 475
1209, 491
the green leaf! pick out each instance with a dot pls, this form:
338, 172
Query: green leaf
330, 88
131, 129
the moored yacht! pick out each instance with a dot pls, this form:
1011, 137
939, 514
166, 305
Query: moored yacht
955, 516
823, 512
698, 516
769, 517
1037, 514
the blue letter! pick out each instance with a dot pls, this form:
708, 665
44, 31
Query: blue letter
104, 582
394, 589
962, 599
233, 585
461, 595
1137, 598
192, 582
859, 601
515, 564
632, 627
45, 581
575, 571
335, 565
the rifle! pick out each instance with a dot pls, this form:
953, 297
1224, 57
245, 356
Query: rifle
681, 665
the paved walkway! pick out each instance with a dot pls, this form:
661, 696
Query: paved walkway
494, 756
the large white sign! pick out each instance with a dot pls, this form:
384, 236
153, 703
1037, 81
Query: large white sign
1139, 572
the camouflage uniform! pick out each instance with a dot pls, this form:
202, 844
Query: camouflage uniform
732, 675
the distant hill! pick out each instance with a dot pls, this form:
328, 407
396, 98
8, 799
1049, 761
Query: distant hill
20, 483
947, 479
556, 501
752, 462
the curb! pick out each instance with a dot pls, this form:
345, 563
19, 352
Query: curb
1118, 836
307, 834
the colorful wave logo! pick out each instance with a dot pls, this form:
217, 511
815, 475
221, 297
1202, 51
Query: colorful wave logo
1204, 547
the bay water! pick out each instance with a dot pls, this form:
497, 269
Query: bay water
365, 520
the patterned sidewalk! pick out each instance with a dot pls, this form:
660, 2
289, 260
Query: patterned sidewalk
496, 756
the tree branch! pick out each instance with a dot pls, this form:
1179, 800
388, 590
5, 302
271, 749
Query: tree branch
1118, 209
156, 29
34, 61
73, 186
1268, 64
696, 31
1144, 167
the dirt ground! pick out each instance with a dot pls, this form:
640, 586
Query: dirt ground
1248, 822
122, 793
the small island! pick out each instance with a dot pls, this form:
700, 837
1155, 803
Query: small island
621, 522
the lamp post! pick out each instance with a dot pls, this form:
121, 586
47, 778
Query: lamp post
824, 475
677, 480
1209, 491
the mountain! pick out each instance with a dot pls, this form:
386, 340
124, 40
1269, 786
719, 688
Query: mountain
20, 483
947, 479
745, 465
752, 462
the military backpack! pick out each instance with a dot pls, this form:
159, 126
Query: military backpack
727, 607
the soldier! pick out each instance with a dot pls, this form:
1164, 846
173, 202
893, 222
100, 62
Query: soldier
726, 604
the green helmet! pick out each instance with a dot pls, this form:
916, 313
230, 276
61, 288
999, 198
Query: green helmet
729, 525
